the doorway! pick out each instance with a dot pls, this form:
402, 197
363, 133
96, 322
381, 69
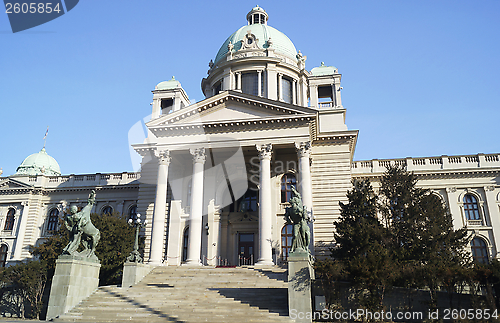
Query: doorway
245, 249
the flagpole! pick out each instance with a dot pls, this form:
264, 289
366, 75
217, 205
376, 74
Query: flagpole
45, 137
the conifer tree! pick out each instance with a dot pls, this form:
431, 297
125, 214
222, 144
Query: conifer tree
361, 246
423, 241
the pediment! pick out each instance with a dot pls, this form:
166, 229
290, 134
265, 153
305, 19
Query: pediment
9, 183
231, 106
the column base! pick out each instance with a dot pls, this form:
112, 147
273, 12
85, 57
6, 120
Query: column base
193, 263
155, 263
264, 263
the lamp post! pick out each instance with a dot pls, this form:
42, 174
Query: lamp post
135, 256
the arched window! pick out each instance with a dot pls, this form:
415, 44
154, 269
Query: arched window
471, 207
286, 187
248, 202
185, 242
53, 220
479, 251
286, 241
3, 255
107, 210
132, 212
9, 220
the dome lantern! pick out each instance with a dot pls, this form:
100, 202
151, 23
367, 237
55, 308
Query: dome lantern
257, 16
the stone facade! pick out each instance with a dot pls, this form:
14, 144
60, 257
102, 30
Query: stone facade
216, 174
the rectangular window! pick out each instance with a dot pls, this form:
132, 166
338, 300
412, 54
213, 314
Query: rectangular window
249, 83
287, 90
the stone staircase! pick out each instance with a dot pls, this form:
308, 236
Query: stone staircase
187, 294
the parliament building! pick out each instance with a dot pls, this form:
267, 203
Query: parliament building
216, 175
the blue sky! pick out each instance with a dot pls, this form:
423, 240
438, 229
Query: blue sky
420, 78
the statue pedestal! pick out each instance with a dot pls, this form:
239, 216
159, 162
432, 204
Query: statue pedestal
300, 273
134, 272
75, 279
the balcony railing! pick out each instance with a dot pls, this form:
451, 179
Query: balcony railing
480, 161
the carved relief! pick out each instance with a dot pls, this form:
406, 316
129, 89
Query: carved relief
163, 156
451, 189
249, 54
198, 155
249, 41
265, 151
303, 149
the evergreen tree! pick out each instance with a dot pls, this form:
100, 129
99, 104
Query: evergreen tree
423, 241
414, 244
361, 246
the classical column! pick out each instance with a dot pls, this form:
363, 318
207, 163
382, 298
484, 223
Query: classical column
280, 86
313, 92
259, 83
294, 92
265, 214
158, 227
156, 109
21, 231
196, 214
338, 99
305, 186
334, 96
238, 81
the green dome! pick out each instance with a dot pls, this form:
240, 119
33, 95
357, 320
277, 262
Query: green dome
168, 85
280, 42
324, 70
39, 164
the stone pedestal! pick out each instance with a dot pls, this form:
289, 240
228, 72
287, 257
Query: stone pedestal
300, 273
74, 280
134, 273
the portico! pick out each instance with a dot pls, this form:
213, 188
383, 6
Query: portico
227, 189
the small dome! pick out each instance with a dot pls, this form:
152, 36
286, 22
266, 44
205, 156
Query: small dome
168, 85
280, 42
39, 164
324, 70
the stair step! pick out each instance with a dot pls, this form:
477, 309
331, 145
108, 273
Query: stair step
181, 294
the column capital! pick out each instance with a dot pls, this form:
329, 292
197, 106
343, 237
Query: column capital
198, 155
163, 156
265, 151
303, 148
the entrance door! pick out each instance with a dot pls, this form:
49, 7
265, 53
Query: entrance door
245, 249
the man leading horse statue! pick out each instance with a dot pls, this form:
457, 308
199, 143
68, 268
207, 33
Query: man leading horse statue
81, 230
297, 215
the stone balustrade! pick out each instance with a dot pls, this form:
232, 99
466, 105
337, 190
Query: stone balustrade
479, 161
91, 180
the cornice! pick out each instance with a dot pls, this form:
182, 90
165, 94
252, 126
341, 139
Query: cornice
350, 136
200, 108
432, 174
229, 126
